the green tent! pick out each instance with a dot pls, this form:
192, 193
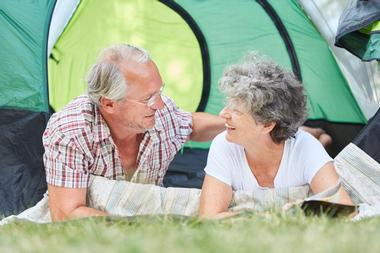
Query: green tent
191, 41
359, 29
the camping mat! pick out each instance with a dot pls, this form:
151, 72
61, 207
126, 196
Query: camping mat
360, 175
122, 198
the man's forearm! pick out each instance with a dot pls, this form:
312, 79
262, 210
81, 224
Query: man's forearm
85, 211
69, 203
221, 215
79, 212
206, 126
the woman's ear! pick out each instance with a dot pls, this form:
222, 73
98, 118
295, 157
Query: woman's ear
268, 127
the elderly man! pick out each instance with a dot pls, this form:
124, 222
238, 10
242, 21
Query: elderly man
124, 128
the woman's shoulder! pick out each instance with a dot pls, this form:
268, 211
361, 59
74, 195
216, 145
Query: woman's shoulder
305, 145
303, 138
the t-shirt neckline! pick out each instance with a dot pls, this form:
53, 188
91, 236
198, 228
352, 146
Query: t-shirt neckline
278, 171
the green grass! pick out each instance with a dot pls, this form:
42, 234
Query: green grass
274, 232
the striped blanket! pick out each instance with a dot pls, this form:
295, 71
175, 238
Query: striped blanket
122, 198
359, 173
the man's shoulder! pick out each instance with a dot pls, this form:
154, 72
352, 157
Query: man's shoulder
79, 103
170, 114
169, 105
76, 116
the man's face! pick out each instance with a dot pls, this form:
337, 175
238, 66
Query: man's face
136, 111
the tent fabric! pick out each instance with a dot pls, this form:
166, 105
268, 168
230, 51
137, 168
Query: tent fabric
369, 138
22, 181
358, 32
63, 11
24, 103
186, 169
363, 77
23, 57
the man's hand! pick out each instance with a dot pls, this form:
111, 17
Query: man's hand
69, 203
320, 134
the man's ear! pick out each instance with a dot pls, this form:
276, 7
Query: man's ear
107, 104
268, 127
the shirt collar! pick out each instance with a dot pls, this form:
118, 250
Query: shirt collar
101, 130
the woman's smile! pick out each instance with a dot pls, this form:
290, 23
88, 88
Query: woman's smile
229, 127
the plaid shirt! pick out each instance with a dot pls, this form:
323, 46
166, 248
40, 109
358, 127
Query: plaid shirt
78, 143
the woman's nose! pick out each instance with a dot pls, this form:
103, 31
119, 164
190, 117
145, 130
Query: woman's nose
225, 113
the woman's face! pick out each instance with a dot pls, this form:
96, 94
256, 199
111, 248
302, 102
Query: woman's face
241, 127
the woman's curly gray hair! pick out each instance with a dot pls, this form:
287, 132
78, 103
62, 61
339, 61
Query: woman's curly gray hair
270, 93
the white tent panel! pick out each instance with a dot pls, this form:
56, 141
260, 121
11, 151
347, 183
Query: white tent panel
363, 77
63, 11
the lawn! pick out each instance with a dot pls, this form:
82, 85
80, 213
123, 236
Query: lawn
268, 232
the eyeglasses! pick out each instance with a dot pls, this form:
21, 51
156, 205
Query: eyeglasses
234, 107
232, 111
150, 101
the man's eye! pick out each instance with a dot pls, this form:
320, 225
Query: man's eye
146, 100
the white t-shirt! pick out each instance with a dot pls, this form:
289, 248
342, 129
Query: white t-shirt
303, 156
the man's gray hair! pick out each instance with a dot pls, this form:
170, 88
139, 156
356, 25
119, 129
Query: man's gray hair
268, 92
105, 78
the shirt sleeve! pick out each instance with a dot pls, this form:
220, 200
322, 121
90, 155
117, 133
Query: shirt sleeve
177, 120
65, 163
219, 160
313, 155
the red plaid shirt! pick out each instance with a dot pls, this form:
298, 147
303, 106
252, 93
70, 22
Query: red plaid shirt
78, 143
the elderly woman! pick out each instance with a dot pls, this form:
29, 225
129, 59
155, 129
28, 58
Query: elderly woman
263, 146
